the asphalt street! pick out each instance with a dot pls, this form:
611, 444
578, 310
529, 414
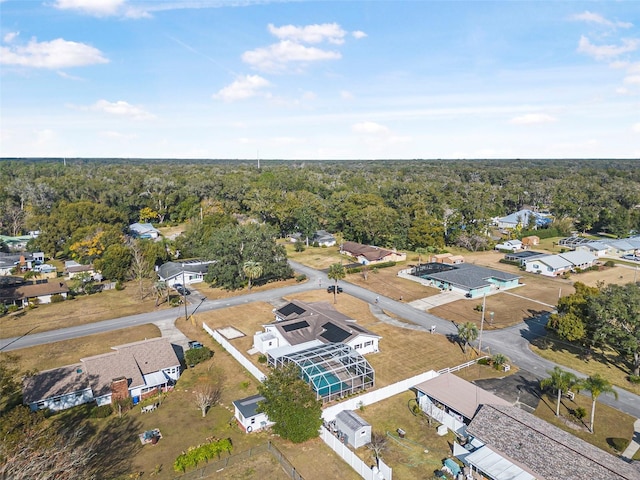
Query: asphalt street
512, 341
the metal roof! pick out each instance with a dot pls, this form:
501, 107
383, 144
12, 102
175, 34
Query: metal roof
248, 406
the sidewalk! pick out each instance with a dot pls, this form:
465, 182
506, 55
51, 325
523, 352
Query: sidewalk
634, 446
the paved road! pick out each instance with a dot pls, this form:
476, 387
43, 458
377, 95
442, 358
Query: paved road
512, 342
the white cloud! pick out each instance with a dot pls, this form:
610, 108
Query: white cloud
532, 119
98, 8
276, 57
603, 52
590, 17
330, 32
110, 134
345, 95
243, 88
121, 109
55, 54
632, 80
358, 34
68, 77
636, 127
369, 128
10, 37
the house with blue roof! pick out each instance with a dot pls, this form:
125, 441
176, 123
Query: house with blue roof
523, 218
144, 230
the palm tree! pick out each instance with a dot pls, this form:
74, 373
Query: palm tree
252, 270
467, 332
560, 380
336, 272
596, 384
161, 290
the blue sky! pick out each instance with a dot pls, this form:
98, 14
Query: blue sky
319, 80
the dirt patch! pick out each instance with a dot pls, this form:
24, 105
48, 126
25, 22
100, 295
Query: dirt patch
385, 281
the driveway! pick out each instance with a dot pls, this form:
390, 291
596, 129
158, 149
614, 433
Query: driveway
521, 388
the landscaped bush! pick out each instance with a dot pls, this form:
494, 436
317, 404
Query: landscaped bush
202, 453
579, 413
634, 379
609, 263
262, 359
57, 298
515, 263
618, 444
103, 411
484, 361
119, 285
13, 308
301, 278
194, 356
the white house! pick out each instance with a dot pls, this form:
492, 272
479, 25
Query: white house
579, 259
297, 323
324, 238
247, 416
549, 265
144, 230
598, 249
511, 245
185, 272
137, 370
523, 218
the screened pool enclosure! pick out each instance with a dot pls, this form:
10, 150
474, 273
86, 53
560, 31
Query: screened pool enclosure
333, 370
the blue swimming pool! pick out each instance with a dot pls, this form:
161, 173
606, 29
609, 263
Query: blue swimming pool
325, 383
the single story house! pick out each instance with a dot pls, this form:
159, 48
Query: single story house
511, 245
323, 238
370, 255
471, 280
622, 247
40, 290
548, 265
247, 415
530, 241
508, 442
73, 269
599, 249
352, 428
137, 370
16, 244
448, 258
144, 230
523, 218
579, 259
453, 401
298, 323
524, 256
185, 272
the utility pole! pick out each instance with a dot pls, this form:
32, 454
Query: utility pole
484, 304
184, 295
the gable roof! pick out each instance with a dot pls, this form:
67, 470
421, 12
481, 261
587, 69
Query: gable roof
133, 361
173, 269
554, 261
248, 406
316, 321
456, 393
55, 383
369, 252
545, 449
522, 217
352, 420
578, 257
143, 228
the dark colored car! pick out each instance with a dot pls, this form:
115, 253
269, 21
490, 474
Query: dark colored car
181, 290
331, 289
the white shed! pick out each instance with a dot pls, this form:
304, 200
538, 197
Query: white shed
247, 415
356, 430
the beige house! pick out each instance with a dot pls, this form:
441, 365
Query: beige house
370, 255
447, 258
530, 241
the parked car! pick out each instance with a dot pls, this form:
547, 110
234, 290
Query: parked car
632, 257
331, 289
195, 344
182, 290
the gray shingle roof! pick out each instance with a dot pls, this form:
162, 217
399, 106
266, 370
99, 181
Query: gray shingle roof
248, 406
543, 448
468, 275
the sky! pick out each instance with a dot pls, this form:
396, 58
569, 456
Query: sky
248, 79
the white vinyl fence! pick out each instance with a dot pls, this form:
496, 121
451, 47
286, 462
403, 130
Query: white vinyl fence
351, 458
233, 351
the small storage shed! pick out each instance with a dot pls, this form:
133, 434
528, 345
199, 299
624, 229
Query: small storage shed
249, 419
356, 430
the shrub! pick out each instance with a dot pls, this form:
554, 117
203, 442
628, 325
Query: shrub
119, 285
609, 263
498, 360
301, 278
478, 308
13, 308
57, 298
202, 453
262, 359
634, 379
194, 356
579, 413
103, 411
484, 361
299, 246
315, 244
618, 444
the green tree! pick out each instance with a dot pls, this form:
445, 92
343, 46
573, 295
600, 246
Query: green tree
8, 377
232, 246
291, 404
467, 332
569, 322
596, 385
252, 271
336, 272
426, 231
613, 319
115, 263
559, 380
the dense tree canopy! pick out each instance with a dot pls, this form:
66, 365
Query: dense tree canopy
291, 404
